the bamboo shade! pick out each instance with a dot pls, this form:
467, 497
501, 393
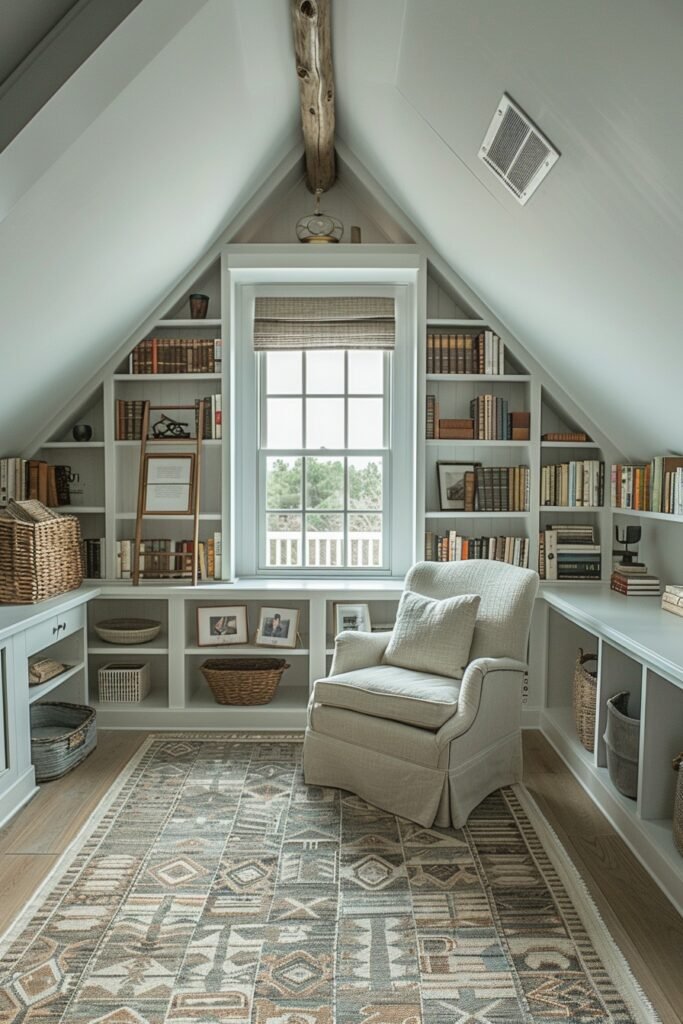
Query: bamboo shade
307, 323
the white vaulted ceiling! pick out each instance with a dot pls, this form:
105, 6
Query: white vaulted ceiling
124, 178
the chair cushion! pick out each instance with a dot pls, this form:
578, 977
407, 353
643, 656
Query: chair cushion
432, 635
416, 698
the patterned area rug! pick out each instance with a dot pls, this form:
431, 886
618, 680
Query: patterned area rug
214, 887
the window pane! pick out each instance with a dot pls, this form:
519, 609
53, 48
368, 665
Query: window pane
324, 540
283, 483
324, 422
324, 484
283, 427
325, 372
365, 540
366, 423
366, 373
283, 540
365, 483
283, 373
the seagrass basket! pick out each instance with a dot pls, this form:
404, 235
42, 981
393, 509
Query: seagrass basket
62, 735
678, 804
40, 553
584, 693
243, 680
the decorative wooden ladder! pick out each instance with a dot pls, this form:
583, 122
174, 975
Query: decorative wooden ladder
189, 560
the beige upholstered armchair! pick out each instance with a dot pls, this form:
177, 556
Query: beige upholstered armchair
423, 746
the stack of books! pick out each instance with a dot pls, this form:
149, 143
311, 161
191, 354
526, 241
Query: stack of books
634, 581
656, 487
162, 557
672, 599
497, 489
463, 353
451, 547
569, 552
573, 484
24, 479
176, 355
493, 422
92, 553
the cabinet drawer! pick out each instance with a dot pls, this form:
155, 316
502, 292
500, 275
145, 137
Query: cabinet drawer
53, 629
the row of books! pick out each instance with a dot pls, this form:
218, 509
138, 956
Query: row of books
655, 487
573, 484
93, 555
493, 422
164, 558
634, 581
29, 479
496, 489
129, 413
569, 552
672, 600
465, 353
451, 547
177, 355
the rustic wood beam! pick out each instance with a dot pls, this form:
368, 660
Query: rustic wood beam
313, 50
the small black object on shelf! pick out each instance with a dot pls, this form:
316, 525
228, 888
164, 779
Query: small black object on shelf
81, 432
631, 535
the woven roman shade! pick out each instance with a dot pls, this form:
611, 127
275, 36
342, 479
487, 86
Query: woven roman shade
303, 323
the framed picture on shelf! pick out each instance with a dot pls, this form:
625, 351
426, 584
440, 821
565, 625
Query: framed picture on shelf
278, 627
168, 483
451, 476
355, 617
222, 625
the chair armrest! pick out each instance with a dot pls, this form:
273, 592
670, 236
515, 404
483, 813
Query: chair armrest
473, 683
354, 650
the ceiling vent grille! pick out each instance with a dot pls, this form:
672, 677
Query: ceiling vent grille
517, 151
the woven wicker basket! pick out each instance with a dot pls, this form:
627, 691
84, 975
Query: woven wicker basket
127, 631
62, 735
40, 553
123, 683
584, 693
678, 804
622, 738
243, 680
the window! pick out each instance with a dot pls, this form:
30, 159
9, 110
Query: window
324, 459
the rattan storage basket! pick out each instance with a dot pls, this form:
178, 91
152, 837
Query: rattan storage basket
243, 680
62, 735
127, 631
40, 553
584, 693
622, 738
678, 804
123, 682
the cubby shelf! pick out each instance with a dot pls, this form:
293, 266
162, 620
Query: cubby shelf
226, 650
73, 444
667, 517
147, 377
187, 322
36, 693
152, 442
476, 515
132, 515
468, 443
84, 510
570, 508
454, 322
489, 378
557, 445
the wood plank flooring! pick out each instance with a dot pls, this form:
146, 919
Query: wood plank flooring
644, 924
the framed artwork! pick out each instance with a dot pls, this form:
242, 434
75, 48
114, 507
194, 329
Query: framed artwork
352, 616
222, 625
169, 483
277, 627
451, 476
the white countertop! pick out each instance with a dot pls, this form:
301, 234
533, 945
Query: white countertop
16, 617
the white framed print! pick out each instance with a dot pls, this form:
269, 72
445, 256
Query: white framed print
355, 617
168, 483
222, 625
278, 627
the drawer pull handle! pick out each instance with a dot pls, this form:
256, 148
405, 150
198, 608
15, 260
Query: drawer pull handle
58, 627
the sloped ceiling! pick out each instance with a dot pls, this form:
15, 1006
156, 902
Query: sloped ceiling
200, 102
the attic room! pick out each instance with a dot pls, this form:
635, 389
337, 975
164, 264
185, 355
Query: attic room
341, 499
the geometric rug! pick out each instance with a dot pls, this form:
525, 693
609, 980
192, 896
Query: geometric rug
213, 887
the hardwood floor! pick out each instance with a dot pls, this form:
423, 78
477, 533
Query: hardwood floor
644, 924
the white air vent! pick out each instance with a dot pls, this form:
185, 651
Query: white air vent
515, 149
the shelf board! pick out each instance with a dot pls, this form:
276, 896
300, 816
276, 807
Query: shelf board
569, 444
36, 692
221, 650
188, 515
155, 699
515, 378
166, 376
86, 510
73, 444
476, 515
571, 508
187, 322
667, 517
454, 322
468, 443
287, 698
97, 646
169, 440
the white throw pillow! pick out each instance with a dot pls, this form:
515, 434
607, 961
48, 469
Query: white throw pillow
433, 636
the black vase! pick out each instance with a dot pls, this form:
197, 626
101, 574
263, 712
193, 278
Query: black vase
82, 432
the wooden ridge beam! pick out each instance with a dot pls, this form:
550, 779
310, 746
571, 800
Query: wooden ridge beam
313, 50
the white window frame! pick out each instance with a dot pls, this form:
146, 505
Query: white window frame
245, 278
